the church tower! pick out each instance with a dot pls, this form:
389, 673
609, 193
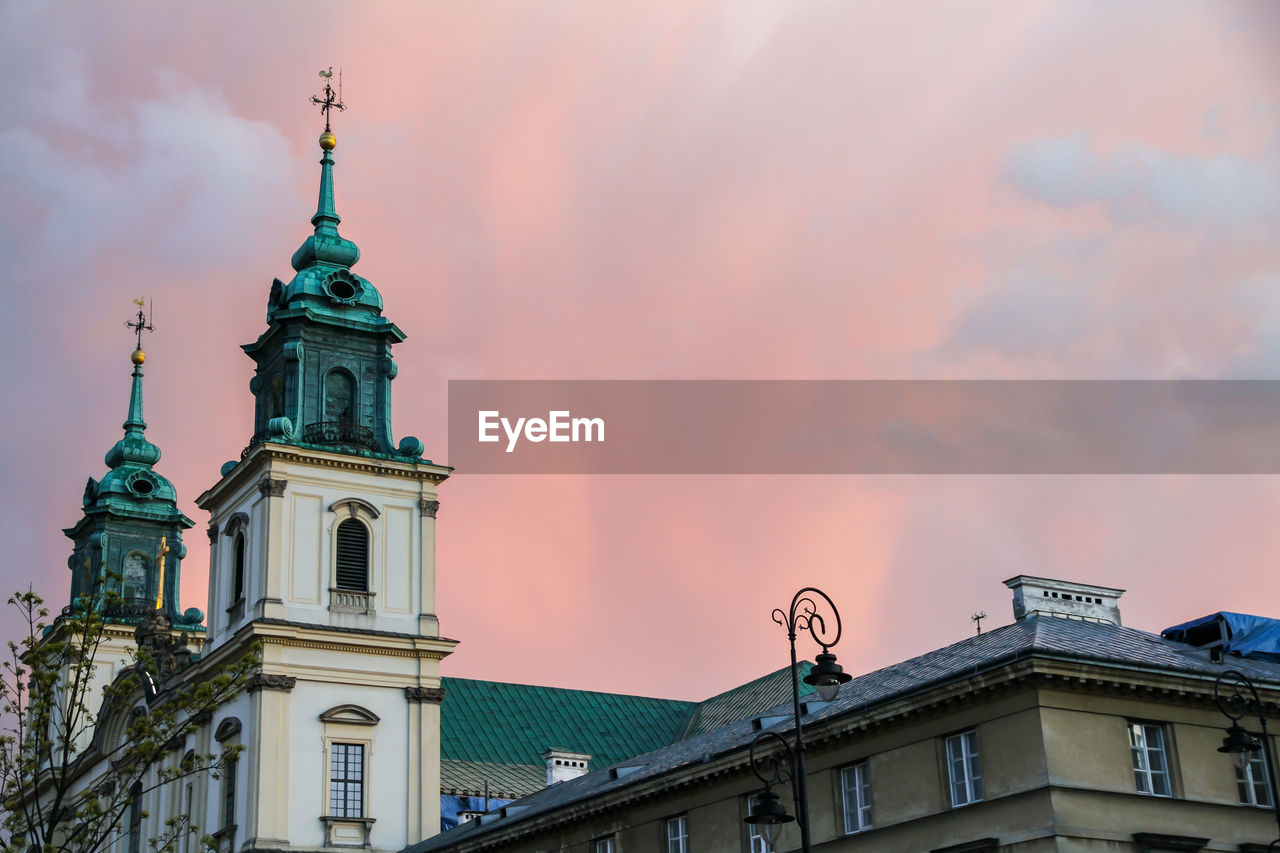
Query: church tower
323, 550
129, 540
127, 547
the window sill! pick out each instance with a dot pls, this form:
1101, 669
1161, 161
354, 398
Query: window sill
350, 601
966, 805
346, 831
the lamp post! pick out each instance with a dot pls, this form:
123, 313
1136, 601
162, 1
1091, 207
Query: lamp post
827, 676
1240, 743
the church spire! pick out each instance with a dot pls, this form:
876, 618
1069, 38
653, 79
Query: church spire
324, 365
134, 447
130, 536
326, 245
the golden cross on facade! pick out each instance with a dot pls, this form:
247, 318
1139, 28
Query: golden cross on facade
160, 555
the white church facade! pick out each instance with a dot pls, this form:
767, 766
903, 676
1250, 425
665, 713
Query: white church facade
322, 553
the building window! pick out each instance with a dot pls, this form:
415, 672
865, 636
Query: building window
346, 780
187, 839
756, 841
678, 834
855, 790
237, 569
962, 768
1253, 781
1150, 759
353, 555
604, 845
229, 794
135, 818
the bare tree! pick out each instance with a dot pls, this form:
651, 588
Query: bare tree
75, 767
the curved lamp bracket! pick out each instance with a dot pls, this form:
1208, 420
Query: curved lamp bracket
806, 616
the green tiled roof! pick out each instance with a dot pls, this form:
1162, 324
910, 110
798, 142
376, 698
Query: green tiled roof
495, 732
746, 700
498, 723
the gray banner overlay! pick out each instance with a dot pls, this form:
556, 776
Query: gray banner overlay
864, 427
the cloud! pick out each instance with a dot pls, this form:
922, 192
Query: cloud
1140, 184
1025, 313
167, 171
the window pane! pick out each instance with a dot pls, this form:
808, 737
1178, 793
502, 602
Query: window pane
1150, 760
677, 835
856, 797
346, 771
755, 840
963, 768
1252, 783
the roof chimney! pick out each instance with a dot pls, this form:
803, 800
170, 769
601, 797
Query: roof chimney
1064, 599
563, 765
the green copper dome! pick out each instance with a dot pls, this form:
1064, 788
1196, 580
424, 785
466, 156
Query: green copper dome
131, 478
324, 283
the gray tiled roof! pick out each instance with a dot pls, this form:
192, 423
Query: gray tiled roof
504, 781
746, 700
1040, 636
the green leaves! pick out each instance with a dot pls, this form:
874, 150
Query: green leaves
75, 757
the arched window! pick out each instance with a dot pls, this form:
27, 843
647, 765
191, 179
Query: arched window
353, 555
135, 819
133, 583
237, 569
339, 396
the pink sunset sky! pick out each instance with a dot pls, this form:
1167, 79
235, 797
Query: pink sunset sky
793, 189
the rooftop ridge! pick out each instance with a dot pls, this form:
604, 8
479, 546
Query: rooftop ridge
518, 684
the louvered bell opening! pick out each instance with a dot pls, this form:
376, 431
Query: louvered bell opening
353, 556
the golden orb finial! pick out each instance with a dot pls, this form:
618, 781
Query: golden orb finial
328, 141
138, 357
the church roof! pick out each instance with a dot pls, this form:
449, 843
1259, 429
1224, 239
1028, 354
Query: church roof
496, 723
496, 732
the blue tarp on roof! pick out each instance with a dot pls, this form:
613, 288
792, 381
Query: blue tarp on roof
1248, 636
451, 807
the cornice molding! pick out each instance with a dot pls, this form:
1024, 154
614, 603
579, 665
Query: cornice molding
264, 454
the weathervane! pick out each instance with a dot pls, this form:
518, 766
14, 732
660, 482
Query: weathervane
329, 101
143, 323
977, 619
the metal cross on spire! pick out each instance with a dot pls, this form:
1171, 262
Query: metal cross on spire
143, 323
329, 101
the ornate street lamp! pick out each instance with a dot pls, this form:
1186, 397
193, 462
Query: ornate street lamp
827, 676
767, 812
1238, 742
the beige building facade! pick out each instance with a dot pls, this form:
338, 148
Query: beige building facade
1059, 732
